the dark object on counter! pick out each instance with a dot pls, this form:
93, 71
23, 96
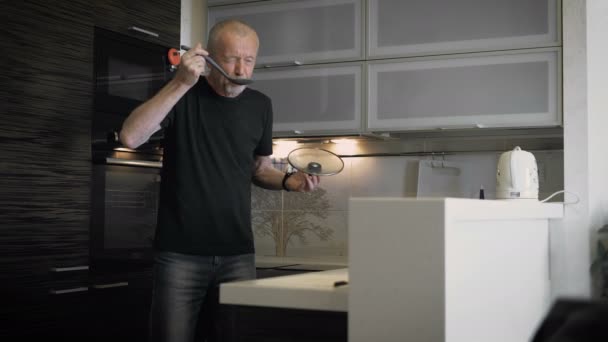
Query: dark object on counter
482, 195
340, 283
574, 320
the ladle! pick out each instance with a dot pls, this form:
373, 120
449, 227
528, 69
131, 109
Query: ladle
239, 81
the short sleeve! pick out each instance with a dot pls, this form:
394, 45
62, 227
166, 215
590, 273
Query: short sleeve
264, 147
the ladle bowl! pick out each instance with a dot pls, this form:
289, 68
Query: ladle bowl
213, 63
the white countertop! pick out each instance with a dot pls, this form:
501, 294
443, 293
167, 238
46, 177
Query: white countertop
475, 209
308, 291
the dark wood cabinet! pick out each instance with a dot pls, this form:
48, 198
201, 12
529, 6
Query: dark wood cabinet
157, 21
121, 306
46, 105
46, 98
263, 324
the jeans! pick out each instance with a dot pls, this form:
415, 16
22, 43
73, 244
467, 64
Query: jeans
185, 294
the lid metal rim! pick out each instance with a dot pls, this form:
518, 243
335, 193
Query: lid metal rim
316, 173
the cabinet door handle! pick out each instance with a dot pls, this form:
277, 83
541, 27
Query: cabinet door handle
69, 269
72, 290
140, 30
293, 63
112, 285
475, 125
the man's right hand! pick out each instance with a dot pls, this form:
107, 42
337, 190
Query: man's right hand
146, 118
191, 66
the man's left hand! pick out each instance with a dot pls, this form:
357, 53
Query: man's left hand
302, 182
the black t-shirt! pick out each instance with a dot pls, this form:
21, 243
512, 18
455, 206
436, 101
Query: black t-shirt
210, 145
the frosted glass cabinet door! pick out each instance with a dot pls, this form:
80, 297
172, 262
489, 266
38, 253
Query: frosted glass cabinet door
310, 100
304, 31
508, 90
416, 27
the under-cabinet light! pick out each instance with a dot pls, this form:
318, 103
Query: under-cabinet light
281, 148
345, 146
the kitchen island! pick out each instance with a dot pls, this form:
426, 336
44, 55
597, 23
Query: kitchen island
436, 269
448, 269
311, 306
324, 291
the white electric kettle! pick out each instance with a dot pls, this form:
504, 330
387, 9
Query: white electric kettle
517, 175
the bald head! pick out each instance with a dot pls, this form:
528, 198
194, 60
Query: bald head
234, 46
232, 27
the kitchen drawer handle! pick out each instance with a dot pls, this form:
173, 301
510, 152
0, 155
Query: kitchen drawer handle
140, 30
69, 269
109, 286
76, 289
144, 163
294, 63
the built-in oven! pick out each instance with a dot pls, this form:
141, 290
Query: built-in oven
125, 183
125, 195
127, 72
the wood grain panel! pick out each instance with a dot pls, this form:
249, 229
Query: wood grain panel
45, 136
46, 104
159, 16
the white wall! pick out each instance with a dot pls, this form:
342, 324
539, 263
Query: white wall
194, 22
585, 52
597, 105
597, 58
385, 176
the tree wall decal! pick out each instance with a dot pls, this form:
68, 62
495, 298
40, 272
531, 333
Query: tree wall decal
289, 217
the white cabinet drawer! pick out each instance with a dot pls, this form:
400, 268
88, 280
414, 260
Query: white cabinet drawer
508, 90
416, 28
314, 99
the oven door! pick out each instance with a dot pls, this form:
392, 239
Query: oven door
128, 71
124, 208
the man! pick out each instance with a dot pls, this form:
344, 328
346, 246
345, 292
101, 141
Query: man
218, 139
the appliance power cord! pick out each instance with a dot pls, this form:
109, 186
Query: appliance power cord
559, 192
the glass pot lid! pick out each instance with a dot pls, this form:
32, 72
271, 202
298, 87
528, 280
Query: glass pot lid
315, 161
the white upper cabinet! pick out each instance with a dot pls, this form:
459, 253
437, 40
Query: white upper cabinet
313, 100
351, 66
301, 32
513, 89
426, 27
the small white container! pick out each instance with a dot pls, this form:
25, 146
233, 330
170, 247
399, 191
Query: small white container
517, 175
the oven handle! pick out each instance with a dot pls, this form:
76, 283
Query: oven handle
144, 163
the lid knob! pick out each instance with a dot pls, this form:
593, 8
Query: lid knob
314, 167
